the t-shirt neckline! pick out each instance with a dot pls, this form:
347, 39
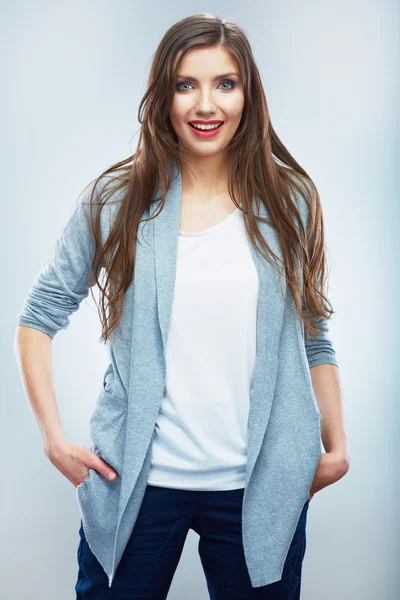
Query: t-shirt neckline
198, 233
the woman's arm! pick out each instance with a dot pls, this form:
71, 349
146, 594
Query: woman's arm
335, 462
56, 293
33, 352
325, 377
327, 388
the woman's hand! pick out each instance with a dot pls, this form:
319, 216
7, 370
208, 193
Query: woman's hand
332, 466
75, 460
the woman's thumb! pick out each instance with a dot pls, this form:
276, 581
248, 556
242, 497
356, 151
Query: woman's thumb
106, 470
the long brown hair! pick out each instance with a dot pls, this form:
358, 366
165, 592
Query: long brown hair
285, 189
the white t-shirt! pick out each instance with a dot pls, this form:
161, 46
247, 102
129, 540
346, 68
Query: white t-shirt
200, 437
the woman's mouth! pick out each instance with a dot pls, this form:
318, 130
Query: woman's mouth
206, 133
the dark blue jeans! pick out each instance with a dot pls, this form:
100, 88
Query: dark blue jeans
154, 549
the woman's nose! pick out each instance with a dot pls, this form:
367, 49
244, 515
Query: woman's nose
206, 102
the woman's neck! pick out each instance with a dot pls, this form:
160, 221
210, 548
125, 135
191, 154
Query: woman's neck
206, 178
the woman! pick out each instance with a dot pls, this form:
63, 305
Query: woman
213, 313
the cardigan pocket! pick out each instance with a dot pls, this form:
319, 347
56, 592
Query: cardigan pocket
85, 481
108, 427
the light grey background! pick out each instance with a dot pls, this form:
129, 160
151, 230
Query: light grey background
72, 78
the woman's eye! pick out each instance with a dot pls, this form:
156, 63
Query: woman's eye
182, 83
232, 83
228, 81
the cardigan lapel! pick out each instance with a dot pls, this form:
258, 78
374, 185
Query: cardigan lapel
270, 314
166, 232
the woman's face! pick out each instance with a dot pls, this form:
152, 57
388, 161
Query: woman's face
208, 88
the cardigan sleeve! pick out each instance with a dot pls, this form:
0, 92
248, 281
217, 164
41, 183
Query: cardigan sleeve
63, 283
320, 350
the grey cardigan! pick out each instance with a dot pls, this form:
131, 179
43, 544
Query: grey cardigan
284, 444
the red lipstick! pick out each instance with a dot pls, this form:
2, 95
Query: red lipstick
203, 132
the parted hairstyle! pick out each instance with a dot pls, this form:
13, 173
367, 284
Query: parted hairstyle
260, 167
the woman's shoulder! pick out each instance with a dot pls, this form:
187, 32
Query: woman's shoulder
107, 190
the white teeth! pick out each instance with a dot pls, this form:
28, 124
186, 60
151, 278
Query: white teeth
205, 126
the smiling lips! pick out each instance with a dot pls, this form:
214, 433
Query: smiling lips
204, 130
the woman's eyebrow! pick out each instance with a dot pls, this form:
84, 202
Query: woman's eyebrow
188, 77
